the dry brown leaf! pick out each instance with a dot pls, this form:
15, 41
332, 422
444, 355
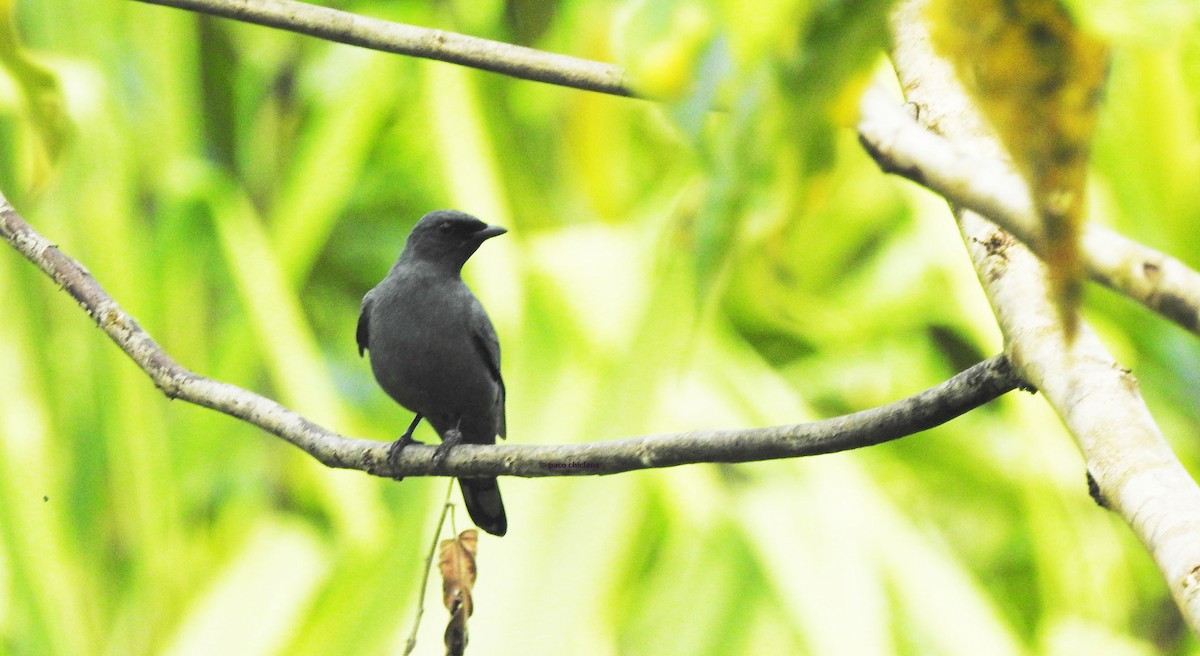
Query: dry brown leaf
456, 562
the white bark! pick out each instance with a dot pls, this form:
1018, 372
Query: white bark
1097, 399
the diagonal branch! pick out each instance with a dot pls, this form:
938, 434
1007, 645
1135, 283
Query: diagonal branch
961, 393
377, 34
1097, 400
994, 189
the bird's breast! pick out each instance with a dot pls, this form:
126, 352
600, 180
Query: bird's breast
422, 350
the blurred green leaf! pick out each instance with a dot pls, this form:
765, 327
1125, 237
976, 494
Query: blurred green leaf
40, 99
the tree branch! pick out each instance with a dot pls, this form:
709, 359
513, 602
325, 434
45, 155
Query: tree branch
961, 393
1097, 399
991, 187
376, 34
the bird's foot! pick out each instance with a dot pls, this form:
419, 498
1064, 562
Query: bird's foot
393, 456
451, 439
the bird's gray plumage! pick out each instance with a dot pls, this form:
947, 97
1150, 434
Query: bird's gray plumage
434, 350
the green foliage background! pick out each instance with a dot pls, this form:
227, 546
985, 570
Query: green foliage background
238, 189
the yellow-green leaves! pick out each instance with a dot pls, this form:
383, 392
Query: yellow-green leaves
1038, 79
665, 47
39, 100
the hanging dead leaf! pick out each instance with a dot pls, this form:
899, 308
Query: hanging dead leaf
1038, 79
456, 633
456, 562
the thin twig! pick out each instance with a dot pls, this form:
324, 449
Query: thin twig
411, 644
377, 34
961, 393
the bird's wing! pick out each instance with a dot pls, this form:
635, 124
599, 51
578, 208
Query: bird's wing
487, 344
364, 321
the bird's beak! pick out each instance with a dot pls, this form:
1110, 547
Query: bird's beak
489, 232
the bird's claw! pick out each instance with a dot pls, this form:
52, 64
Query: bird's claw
452, 438
393, 456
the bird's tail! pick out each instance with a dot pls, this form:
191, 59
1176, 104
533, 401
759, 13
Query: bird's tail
484, 505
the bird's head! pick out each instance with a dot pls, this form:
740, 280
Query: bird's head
448, 238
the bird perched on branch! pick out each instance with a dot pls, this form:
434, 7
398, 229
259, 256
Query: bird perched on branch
433, 348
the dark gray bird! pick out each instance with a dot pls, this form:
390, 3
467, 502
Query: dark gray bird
434, 351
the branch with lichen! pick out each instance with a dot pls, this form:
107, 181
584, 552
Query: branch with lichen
1133, 468
961, 393
399, 38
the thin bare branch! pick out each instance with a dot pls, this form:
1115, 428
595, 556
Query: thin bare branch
965, 391
447, 507
991, 187
377, 34
1098, 400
